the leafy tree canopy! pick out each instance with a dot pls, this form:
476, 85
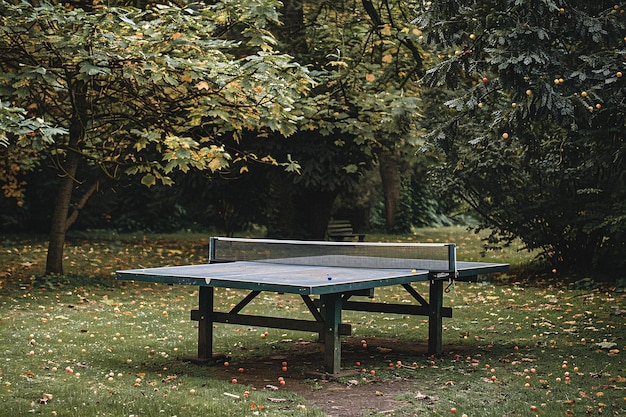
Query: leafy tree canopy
371, 60
141, 92
149, 78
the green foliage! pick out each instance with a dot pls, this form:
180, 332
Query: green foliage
365, 101
141, 93
367, 89
535, 140
14, 122
419, 207
17, 131
136, 82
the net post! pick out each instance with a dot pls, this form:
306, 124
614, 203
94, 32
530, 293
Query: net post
212, 244
452, 259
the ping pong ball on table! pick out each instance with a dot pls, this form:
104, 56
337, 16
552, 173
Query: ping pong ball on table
414, 271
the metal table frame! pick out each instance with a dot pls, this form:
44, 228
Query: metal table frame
326, 309
327, 319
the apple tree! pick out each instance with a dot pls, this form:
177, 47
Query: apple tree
535, 108
138, 92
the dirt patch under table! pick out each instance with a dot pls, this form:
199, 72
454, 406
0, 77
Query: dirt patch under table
352, 393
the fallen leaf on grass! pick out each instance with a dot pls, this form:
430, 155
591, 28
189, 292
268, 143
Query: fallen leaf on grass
255, 407
424, 397
277, 400
606, 345
45, 398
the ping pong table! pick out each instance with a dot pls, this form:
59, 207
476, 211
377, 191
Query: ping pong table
326, 282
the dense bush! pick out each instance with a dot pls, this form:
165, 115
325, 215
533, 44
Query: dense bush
535, 131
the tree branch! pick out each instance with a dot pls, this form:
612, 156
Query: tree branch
80, 205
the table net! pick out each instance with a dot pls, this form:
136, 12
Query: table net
427, 256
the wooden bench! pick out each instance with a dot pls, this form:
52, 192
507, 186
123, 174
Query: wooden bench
339, 230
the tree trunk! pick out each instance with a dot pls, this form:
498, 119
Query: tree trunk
392, 186
60, 215
58, 226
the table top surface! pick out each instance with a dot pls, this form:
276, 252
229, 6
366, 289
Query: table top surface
326, 278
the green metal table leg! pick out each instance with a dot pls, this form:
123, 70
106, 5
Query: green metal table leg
331, 308
435, 323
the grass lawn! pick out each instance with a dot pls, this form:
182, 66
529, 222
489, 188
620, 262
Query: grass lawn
86, 345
